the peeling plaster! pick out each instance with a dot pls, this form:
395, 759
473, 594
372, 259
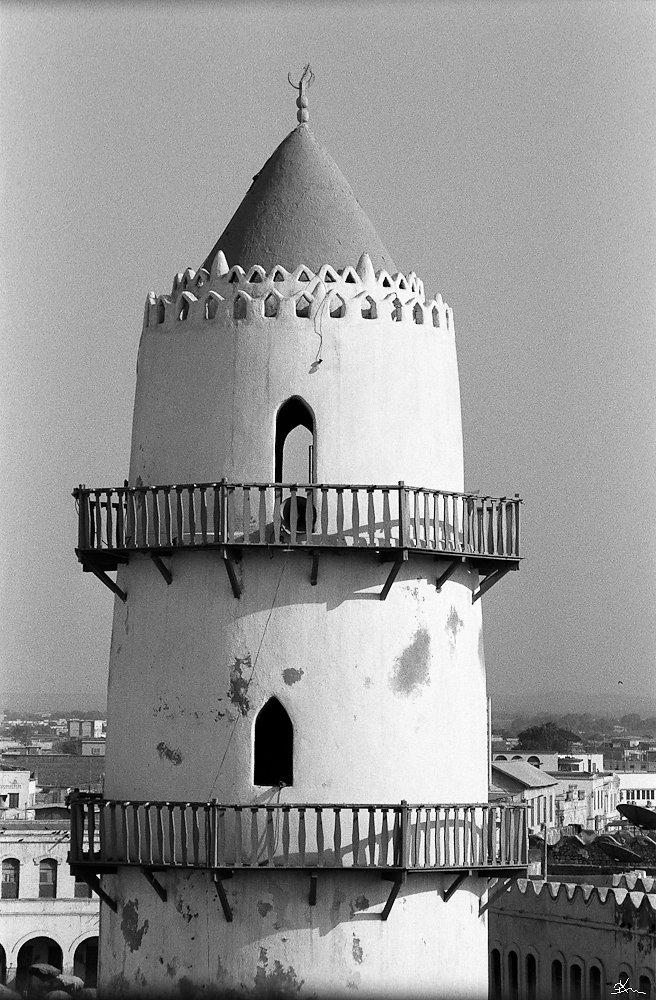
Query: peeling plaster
264, 908
412, 667
276, 982
357, 950
166, 753
359, 903
291, 675
132, 933
239, 684
453, 625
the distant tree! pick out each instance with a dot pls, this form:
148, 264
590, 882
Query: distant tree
67, 746
631, 721
20, 732
547, 736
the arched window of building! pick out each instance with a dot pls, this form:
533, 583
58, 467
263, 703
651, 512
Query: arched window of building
495, 974
595, 982
47, 878
513, 976
239, 307
274, 746
38, 950
535, 761
368, 308
10, 878
557, 979
294, 446
85, 961
575, 981
644, 986
271, 304
531, 977
3, 966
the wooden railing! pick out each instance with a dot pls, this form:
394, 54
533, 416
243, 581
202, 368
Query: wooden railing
208, 835
147, 518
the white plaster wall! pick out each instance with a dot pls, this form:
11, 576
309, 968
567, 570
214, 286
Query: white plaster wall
379, 692
386, 400
338, 948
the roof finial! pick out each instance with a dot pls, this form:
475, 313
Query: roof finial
302, 86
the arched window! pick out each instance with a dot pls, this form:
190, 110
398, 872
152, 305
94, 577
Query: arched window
161, 311
575, 981
535, 761
368, 308
644, 986
531, 977
294, 447
595, 982
183, 309
10, 878
274, 746
418, 314
495, 974
85, 961
557, 979
47, 878
3, 966
397, 313
436, 316
211, 306
271, 304
513, 976
239, 308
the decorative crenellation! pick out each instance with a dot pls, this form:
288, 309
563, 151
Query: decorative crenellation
616, 895
329, 293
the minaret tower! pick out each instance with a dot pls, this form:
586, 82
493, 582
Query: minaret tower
296, 785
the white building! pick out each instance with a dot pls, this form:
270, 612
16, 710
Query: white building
288, 663
45, 914
587, 799
17, 795
525, 783
637, 787
547, 761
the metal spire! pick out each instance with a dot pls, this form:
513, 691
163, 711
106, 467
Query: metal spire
302, 86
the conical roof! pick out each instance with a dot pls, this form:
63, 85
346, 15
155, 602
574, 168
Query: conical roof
300, 210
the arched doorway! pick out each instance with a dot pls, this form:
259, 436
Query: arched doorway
38, 949
274, 746
3, 966
85, 961
294, 457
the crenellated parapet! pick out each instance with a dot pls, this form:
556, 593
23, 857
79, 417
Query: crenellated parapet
624, 905
329, 294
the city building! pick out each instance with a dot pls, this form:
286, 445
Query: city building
637, 787
521, 782
17, 794
92, 747
46, 915
297, 625
566, 941
94, 729
587, 799
548, 761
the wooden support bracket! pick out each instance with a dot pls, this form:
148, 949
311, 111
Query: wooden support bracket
314, 572
496, 889
157, 886
221, 893
107, 580
93, 882
393, 573
399, 879
229, 563
448, 573
313, 889
489, 581
458, 880
164, 570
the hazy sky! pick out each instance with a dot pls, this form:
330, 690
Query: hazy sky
505, 151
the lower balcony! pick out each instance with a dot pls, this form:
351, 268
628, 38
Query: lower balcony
394, 522
392, 839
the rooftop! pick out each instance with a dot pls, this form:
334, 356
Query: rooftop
525, 774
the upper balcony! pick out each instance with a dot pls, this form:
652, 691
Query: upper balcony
480, 839
393, 521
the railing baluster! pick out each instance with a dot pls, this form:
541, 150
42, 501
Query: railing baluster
427, 532
417, 518
277, 498
293, 515
270, 830
109, 521
142, 504
285, 835
416, 840
355, 515
99, 520
254, 836
166, 504
371, 515
238, 835
179, 515
125, 830
148, 833
319, 823
387, 517
246, 513
448, 826
397, 839
337, 836
203, 514
172, 832
136, 832
324, 514
184, 835
356, 838
301, 833
384, 839
427, 841
262, 515
191, 514
309, 514
404, 516
91, 814
340, 515
112, 850
217, 521
159, 826
155, 533
371, 836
